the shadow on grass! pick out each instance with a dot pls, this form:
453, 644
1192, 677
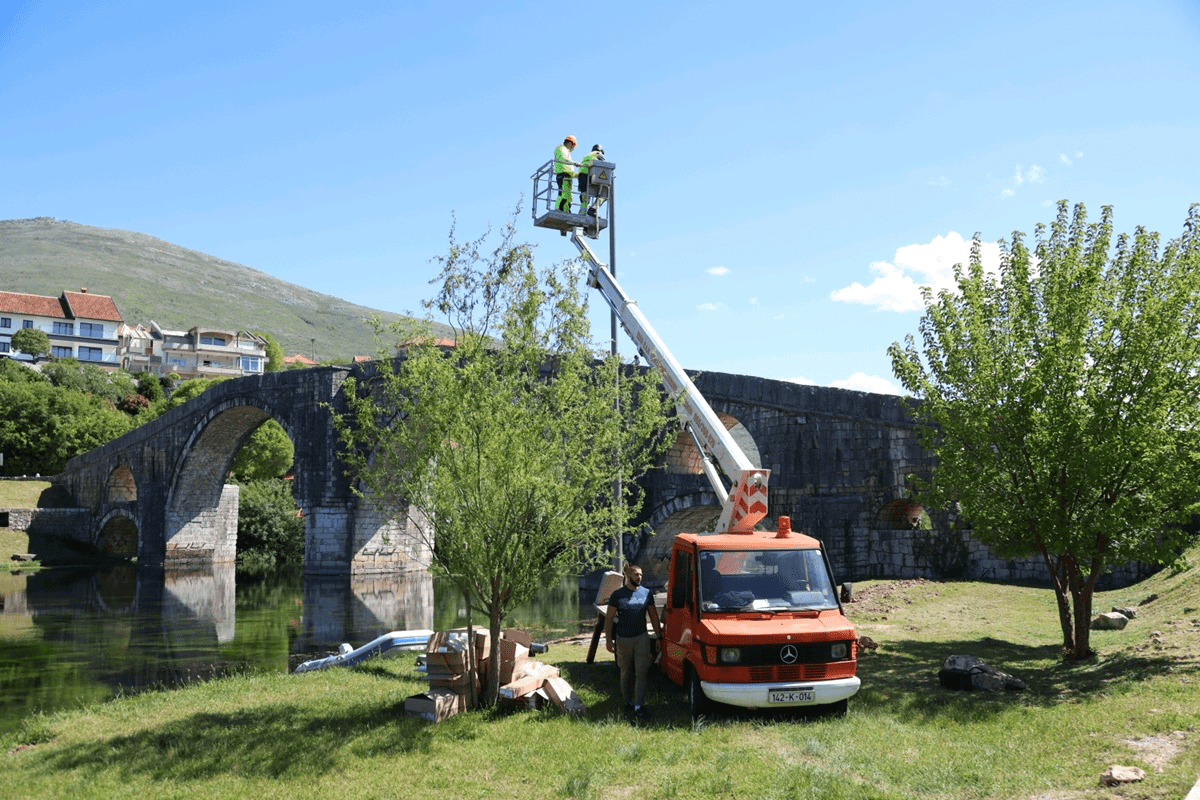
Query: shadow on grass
904, 675
276, 742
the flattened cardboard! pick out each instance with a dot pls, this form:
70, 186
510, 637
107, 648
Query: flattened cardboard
564, 696
528, 680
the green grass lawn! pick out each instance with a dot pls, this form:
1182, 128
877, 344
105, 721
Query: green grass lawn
342, 731
22, 494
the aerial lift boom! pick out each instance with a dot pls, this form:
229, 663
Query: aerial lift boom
745, 502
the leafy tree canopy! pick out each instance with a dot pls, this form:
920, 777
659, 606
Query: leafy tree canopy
509, 446
1062, 397
43, 426
69, 373
275, 355
31, 341
268, 454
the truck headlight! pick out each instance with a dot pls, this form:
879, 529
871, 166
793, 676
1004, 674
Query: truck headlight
731, 655
839, 651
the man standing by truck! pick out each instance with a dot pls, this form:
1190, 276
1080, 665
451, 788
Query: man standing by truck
628, 609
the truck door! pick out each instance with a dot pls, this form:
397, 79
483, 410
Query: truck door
681, 614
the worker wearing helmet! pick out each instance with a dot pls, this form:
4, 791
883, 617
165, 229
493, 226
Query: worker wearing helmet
585, 165
565, 172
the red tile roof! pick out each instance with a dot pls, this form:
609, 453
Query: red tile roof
299, 359
34, 305
71, 305
92, 306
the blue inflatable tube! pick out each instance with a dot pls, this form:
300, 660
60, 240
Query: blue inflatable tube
345, 657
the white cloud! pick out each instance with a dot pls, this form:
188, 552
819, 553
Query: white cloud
1064, 158
802, 381
897, 284
862, 382
943, 181
718, 271
1034, 174
753, 301
708, 307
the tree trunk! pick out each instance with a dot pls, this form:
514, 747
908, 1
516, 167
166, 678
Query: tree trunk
492, 694
1059, 578
1083, 592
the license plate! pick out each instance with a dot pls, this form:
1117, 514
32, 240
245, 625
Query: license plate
792, 696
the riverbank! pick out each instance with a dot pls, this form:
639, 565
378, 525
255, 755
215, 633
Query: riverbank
342, 731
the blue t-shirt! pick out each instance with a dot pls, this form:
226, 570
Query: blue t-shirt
631, 610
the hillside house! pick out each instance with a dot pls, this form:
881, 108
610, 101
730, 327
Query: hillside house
80, 325
196, 353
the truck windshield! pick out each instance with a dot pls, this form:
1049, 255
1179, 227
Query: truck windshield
765, 580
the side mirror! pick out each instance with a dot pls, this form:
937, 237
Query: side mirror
847, 592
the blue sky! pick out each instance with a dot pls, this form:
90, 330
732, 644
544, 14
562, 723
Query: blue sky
787, 173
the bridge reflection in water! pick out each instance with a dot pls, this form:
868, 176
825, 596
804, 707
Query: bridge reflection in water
76, 636
73, 637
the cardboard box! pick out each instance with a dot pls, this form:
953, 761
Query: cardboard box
455, 641
512, 657
608, 584
564, 696
528, 680
455, 662
435, 705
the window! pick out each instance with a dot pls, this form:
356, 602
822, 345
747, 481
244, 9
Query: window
250, 364
93, 329
61, 352
64, 329
5, 347
26, 323
5, 322
91, 354
215, 341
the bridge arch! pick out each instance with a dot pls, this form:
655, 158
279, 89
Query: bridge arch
683, 457
121, 486
695, 512
201, 508
118, 534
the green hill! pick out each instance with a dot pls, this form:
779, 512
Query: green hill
150, 279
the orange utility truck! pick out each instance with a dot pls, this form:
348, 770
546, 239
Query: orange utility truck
753, 618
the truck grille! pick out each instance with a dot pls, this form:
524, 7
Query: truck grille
789, 673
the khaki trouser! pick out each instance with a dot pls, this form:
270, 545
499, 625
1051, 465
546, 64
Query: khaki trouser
634, 659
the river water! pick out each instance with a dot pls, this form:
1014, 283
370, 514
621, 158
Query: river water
74, 636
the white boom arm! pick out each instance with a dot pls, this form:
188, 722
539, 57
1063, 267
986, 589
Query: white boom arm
743, 505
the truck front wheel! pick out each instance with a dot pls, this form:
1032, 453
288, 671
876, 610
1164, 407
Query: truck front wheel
697, 701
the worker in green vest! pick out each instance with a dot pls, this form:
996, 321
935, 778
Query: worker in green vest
585, 166
565, 172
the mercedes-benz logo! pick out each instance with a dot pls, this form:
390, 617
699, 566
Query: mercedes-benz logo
788, 654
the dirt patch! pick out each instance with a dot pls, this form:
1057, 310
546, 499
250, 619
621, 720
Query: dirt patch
883, 598
1158, 751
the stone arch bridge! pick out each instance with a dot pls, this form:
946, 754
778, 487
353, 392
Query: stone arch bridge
838, 460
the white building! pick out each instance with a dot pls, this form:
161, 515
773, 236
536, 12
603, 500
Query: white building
197, 353
79, 325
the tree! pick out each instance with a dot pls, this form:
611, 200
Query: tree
1062, 398
275, 362
510, 447
31, 341
43, 426
270, 532
267, 454
149, 387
